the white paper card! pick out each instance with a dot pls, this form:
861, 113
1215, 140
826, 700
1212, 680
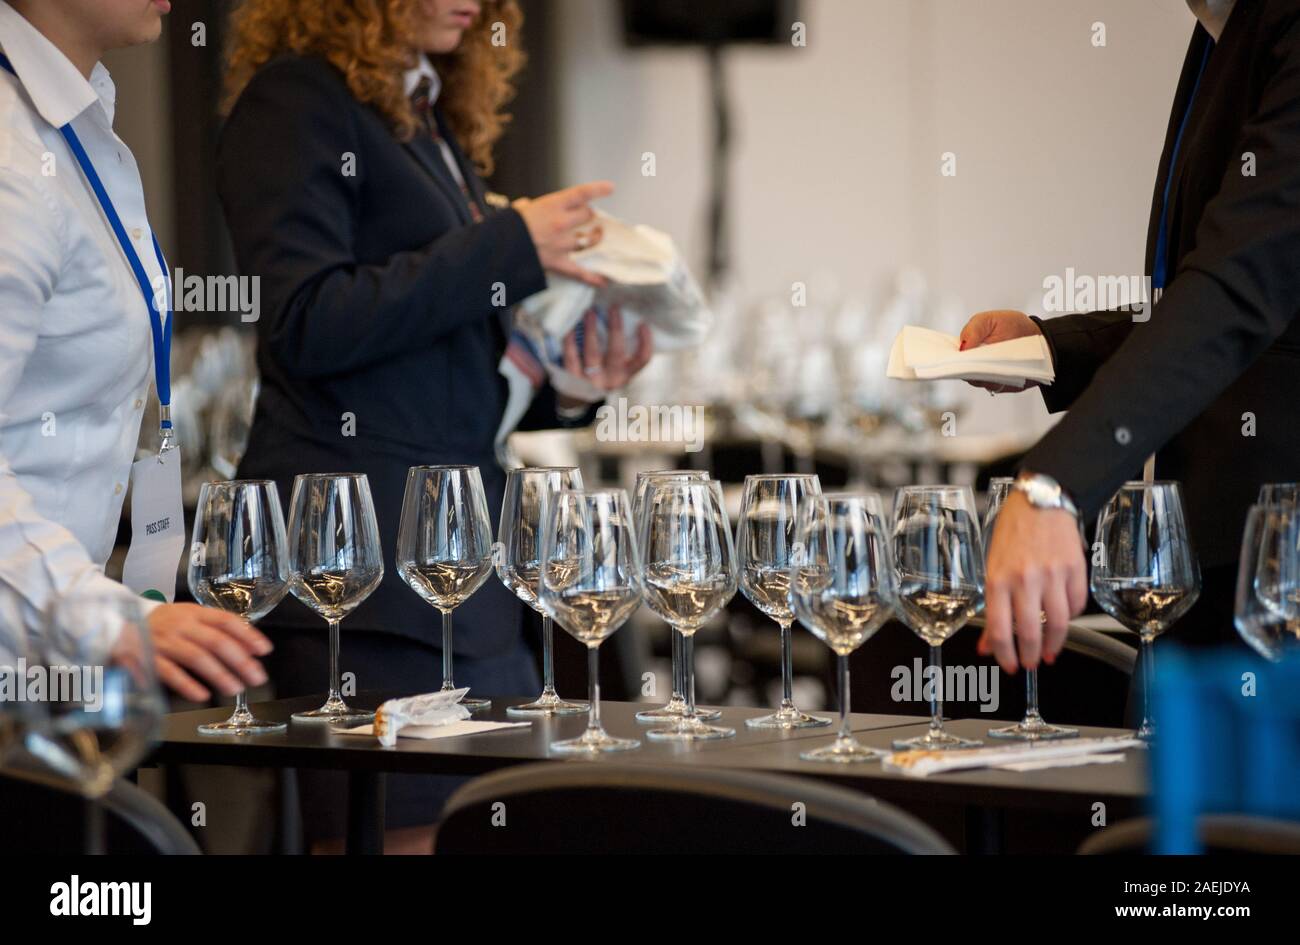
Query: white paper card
449, 730
157, 526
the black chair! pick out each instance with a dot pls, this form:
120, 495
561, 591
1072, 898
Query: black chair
38, 818
1221, 834
607, 808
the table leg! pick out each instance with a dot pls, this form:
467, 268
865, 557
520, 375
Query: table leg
984, 830
365, 812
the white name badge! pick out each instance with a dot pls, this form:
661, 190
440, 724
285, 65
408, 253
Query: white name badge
157, 526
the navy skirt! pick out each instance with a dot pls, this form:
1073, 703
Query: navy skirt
299, 666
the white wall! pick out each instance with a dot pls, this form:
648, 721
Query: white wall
838, 145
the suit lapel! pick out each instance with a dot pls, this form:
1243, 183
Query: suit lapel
427, 155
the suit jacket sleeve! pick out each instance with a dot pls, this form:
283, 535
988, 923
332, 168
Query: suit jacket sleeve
292, 211
1231, 297
1080, 344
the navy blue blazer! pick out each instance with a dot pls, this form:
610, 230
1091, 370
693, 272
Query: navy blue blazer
379, 338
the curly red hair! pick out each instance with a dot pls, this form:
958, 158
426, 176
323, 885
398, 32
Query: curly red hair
365, 41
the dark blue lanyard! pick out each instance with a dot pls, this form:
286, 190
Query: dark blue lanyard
162, 330
1160, 273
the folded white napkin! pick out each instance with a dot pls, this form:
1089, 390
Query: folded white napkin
648, 281
446, 730
925, 354
1027, 756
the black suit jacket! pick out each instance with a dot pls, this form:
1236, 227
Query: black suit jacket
379, 338
1219, 357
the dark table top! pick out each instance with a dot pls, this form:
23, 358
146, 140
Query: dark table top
314, 745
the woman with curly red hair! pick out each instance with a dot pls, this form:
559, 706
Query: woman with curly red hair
348, 171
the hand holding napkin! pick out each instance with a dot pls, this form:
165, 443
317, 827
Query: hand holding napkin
925, 354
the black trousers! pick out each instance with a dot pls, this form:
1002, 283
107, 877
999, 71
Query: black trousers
299, 666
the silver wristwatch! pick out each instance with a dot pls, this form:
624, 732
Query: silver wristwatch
1044, 492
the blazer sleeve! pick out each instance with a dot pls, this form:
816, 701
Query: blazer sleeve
292, 208
1079, 345
1231, 297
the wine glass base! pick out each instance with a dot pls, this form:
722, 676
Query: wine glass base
1033, 730
242, 726
1147, 733
936, 741
594, 742
335, 711
690, 730
475, 704
844, 751
788, 717
548, 704
675, 709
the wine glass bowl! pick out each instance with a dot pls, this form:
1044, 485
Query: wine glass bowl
336, 562
1267, 606
444, 546
239, 562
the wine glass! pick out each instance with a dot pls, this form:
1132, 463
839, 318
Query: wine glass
1147, 576
239, 561
444, 546
590, 582
335, 562
675, 707
765, 537
939, 563
1032, 727
18, 717
523, 515
689, 574
842, 584
103, 704
1267, 612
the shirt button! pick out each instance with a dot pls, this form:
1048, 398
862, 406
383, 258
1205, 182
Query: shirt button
117, 489
138, 403
137, 233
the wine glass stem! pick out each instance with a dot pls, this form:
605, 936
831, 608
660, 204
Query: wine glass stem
447, 681
548, 659
688, 667
593, 688
844, 696
1031, 696
787, 666
241, 702
936, 692
335, 681
679, 670
1148, 675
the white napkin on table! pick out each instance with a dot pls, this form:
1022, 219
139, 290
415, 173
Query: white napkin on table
925, 354
446, 730
1028, 756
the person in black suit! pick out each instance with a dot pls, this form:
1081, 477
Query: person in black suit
387, 280
1207, 378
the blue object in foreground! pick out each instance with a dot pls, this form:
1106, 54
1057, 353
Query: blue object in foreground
1227, 741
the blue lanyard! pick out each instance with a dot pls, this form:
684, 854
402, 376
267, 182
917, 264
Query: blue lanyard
162, 330
1160, 273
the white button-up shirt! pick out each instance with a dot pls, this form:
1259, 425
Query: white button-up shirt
76, 353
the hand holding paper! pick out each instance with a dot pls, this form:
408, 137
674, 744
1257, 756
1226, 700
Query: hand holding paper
924, 354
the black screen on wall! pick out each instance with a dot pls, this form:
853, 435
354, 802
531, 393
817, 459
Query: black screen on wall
681, 22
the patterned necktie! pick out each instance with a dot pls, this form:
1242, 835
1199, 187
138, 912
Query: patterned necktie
423, 109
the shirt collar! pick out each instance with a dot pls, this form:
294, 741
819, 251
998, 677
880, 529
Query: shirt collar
1213, 14
423, 69
57, 90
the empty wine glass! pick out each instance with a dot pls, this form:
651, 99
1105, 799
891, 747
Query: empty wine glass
1279, 493
336, 562
523, 515
239, 561
102, 701
1147, 576
1267, 611
444, 546
17, 716
689, 574
590, 583
1032, 727
765, 537
939, 563
675, 707
843, 586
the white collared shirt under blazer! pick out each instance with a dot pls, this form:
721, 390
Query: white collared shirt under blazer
76, 356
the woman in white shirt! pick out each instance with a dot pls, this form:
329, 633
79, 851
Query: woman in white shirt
75, 336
